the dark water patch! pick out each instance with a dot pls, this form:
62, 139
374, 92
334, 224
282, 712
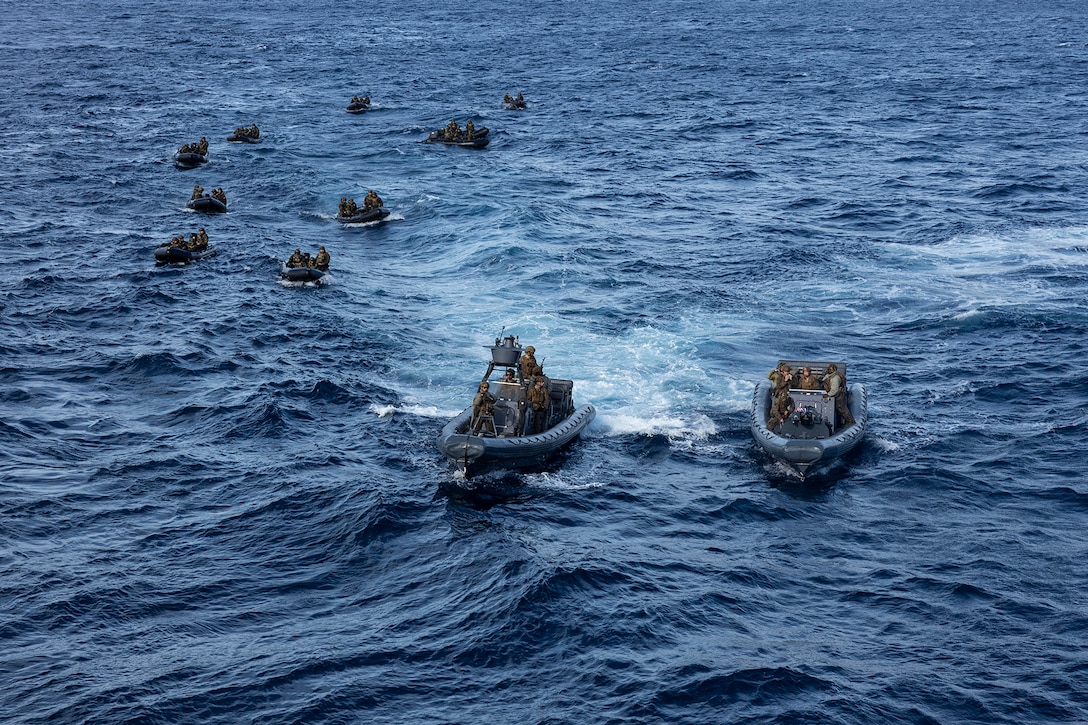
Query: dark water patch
488, 490
156, 365
650, 448
745, 510
706, 690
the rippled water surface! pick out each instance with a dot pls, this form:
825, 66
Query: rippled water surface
220, 499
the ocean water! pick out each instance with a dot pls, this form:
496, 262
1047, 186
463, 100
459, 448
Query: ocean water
220, 499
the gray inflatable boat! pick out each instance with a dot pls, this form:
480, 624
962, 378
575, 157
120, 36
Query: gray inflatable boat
505, 439
813, 432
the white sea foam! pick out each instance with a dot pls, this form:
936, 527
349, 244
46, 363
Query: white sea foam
422, 411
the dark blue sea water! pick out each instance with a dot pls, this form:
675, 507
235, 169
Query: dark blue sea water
220, 499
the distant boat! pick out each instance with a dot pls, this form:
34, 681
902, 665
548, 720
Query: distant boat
207, 204
360, 106
363, 217
478, 140
515, 105
189, 160
505, 439
301, 274
243, 138
813, 433
180, 255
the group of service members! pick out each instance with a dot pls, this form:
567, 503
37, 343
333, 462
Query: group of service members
200, 147
303, 259
197, 242
251, 132
348, 207
783, 380
198, 192
519, 101
538, 394
454, 132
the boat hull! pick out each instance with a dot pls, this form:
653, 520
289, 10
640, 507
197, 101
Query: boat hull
802, 454
358, 107
365, 217
189, 161
207, 205
178, 255
301, 274
239, 138
473, 452
478, 141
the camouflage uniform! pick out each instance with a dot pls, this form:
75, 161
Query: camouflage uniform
483, 404
780, 410
781, 379
540, 400
527, 362
807, 381
321, 261
835, 387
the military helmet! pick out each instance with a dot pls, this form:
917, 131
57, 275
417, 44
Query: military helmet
831, 368
530, 348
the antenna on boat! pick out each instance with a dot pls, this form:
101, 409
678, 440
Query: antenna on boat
499, 338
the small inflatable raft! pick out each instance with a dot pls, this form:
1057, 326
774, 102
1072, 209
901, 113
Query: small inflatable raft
189, 160
364, 217
478, 141
207, 204
301, 274
180, 255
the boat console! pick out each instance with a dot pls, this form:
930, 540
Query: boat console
813, 416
